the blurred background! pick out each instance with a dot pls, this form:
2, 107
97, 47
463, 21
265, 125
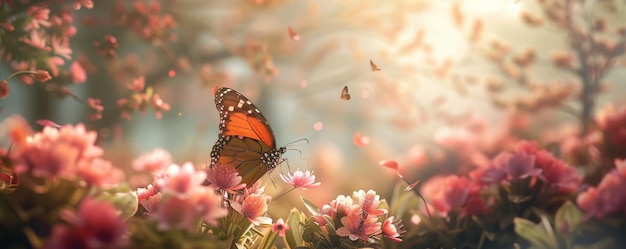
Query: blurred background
459, 80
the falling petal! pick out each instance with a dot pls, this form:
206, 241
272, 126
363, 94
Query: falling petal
412, 186
344, 93
292, 34
374, 66
360, 140
389, 164
46, 122
304, 83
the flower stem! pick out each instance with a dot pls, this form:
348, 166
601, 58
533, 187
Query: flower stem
284, 193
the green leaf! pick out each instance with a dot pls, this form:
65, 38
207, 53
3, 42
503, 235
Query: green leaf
539, 235
310, 206
568, 216
293, 235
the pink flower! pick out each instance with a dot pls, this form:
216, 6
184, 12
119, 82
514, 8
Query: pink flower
42, 76
40, 14
615, 126
299, 179
78, 73
254, 208
87, 3
145, 197
97, 224
181, 180
358, 226
369, 202
137, 85
521, 165
99, 172
176, 212
446, 193
609, 196
156, 160
56, 153
225, 177
159, 105
96, 108
281, 227
208, 205
62, 48
555, 171
17, 129
390, 230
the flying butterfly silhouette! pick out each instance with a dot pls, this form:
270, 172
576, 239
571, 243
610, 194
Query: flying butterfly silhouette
374, 66
345, 94
245, 138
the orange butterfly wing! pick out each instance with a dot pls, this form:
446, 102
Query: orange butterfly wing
240, 117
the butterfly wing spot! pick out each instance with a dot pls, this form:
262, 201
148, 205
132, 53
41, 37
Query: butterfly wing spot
231, 108
257, 110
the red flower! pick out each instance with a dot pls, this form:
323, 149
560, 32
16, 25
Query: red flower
4, 89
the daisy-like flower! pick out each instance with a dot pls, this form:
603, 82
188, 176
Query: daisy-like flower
358, 226
281, 227
254, 208
181, 179
156, 160
225, 177
300, 179
369, 202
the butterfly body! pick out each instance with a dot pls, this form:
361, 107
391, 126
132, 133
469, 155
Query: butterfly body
245, 138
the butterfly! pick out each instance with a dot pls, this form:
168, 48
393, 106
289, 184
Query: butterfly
245, 138
345, 94
374, 66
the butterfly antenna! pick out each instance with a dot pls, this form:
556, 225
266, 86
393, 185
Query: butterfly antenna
301, 139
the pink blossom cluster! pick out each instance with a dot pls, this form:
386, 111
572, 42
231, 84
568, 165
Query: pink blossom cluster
359, 217
178, 199
141, 99
609, 196
66, 152
146, 20
528, 160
